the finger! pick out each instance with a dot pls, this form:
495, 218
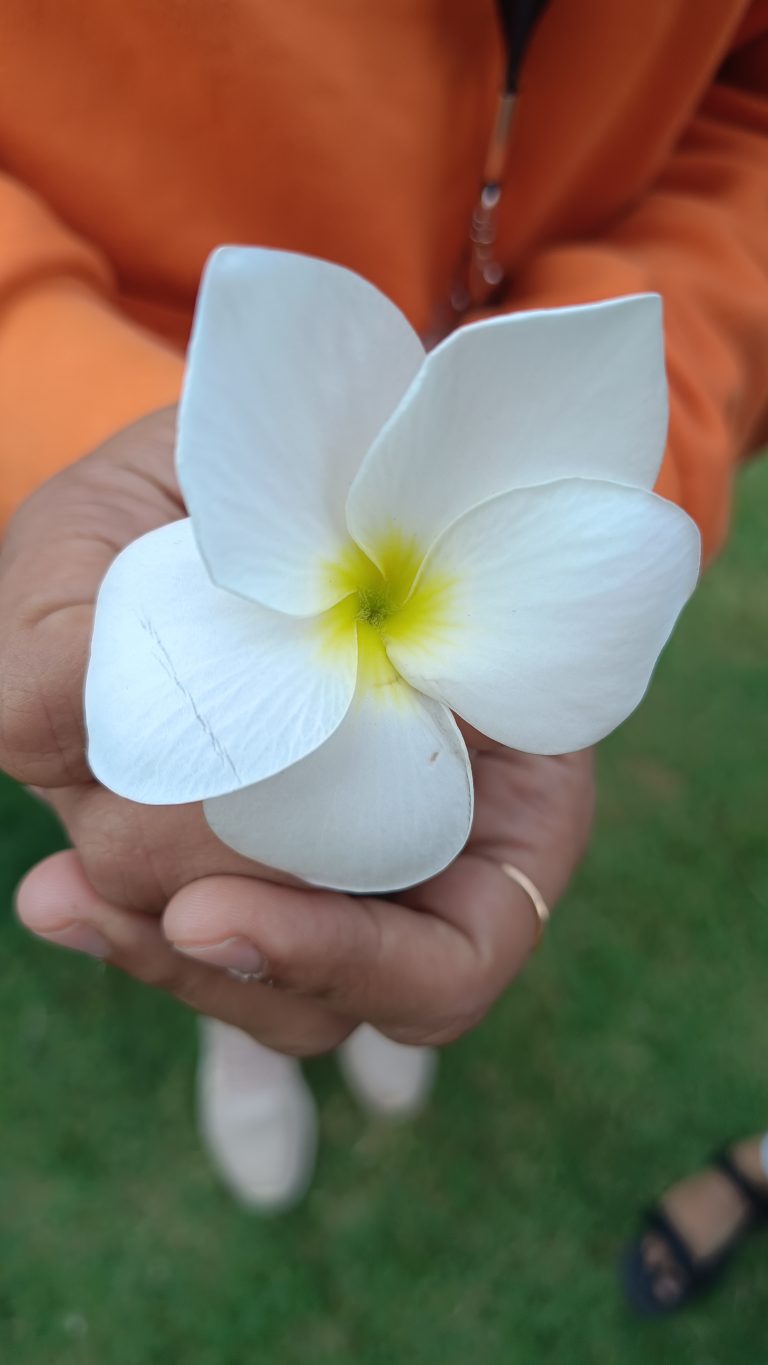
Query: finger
56, 902
534, 811
54, 556
428, 967
418, 976
138, 856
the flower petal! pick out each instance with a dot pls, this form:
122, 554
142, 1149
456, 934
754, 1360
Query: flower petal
294, 366
518, 400
191, 691
386, 801
561, 600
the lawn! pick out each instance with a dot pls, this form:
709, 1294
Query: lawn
488, 1231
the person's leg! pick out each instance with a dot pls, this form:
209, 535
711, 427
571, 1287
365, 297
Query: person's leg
257, 1118
385, 1077
708, 1212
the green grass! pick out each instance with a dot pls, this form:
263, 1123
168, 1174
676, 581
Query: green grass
487, 1231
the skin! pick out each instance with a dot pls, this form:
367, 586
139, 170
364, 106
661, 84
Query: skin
708, 1210
156, 885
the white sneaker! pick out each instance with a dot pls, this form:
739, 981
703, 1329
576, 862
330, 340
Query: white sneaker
386, 1077
257, 1118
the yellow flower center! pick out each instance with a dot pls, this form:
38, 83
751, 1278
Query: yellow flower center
375, 605
384, 605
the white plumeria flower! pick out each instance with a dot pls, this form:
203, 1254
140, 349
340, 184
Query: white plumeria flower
379, 538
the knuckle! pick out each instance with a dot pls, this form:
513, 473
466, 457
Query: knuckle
170, 972
300, 979
120, 859
343, 962
119, 871
320, 962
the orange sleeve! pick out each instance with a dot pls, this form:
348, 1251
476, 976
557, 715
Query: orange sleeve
72, 369
699, 238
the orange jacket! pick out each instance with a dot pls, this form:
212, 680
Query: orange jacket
135, 137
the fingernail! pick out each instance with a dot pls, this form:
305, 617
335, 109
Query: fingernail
236, 954
81, 938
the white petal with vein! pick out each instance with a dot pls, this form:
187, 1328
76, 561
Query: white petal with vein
294, 366
564, 596
385, 803
192, 691
519, 400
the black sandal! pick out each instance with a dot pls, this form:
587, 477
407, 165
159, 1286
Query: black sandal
641, 1280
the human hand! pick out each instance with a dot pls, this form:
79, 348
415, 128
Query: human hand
422, 968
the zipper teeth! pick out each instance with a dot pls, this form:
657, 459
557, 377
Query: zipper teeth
484, 274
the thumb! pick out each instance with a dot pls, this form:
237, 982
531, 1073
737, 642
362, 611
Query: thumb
56, 902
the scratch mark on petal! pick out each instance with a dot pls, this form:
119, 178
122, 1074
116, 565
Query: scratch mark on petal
165, 661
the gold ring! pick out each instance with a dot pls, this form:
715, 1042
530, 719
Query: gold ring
537, 900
